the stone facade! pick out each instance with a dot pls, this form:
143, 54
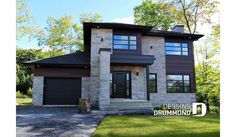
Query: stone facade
104, 76
38, 84
138, 83
155, 46
85, 86
100, 38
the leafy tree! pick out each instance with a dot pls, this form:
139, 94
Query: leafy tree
157, 14
208, 69
163, 14
64, 33
89, 17
192, 12
24, 21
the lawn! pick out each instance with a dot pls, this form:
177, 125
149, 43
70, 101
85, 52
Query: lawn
23, 101
150, 126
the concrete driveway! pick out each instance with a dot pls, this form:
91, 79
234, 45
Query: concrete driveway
59, 121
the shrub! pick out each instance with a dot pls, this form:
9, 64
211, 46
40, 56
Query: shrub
29, 92
215, 109
20, 95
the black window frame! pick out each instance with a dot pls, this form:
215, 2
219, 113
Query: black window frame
154, 81
181, 49
182, 85
128, 40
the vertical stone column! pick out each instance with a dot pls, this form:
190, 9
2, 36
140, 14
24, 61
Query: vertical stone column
38, 84
100, 38
104, 76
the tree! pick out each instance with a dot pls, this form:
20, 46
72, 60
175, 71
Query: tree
89, 17
208, 70
157, 14
23, 19
192, 12
64, 34
163, 14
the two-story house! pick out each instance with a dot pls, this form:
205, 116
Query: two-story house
123, 66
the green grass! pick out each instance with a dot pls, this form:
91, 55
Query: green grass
23, 101
150, 126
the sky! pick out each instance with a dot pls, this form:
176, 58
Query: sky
111, 10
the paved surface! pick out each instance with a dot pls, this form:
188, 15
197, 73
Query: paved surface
58, 122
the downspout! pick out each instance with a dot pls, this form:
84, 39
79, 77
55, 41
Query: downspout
147, 82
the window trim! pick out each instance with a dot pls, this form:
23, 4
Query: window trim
181, 48
155, 82
190, 86
129, 45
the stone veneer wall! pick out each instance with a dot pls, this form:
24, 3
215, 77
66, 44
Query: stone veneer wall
104, 77
38, 83
85, 86
138, 83
159, 67
96, 44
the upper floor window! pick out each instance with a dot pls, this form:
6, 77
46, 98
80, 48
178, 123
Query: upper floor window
178, 83
124, 42
176, 48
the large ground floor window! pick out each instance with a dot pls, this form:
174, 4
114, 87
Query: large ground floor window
178, 84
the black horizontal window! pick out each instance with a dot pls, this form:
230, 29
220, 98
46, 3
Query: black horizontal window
178, 83
124, 42
152, 83
176, 48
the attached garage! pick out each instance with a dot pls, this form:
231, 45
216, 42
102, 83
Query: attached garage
62, 91
60, 80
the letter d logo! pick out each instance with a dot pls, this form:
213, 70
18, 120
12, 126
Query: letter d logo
194, 107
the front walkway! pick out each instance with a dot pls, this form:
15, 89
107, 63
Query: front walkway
55, 121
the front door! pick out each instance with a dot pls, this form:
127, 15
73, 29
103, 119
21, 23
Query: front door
120, 85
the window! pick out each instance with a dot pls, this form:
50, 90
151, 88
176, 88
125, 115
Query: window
110, 81
128, 84
178, 84
175, 48
124, 42
152, 83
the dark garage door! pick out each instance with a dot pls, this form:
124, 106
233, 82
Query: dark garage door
62, 91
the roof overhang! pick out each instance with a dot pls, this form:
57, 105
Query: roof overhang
77, 59
123, 59
169, 34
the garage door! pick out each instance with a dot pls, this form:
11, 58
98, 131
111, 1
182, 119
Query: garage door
62, 91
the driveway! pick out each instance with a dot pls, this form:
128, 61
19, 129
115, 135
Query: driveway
59, 121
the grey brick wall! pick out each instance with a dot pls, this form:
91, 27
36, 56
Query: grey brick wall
96, 44
155, 46
38, 84
85, 86
138, 83
104, 76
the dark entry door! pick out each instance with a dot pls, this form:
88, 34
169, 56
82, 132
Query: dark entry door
121, 85
62, 91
